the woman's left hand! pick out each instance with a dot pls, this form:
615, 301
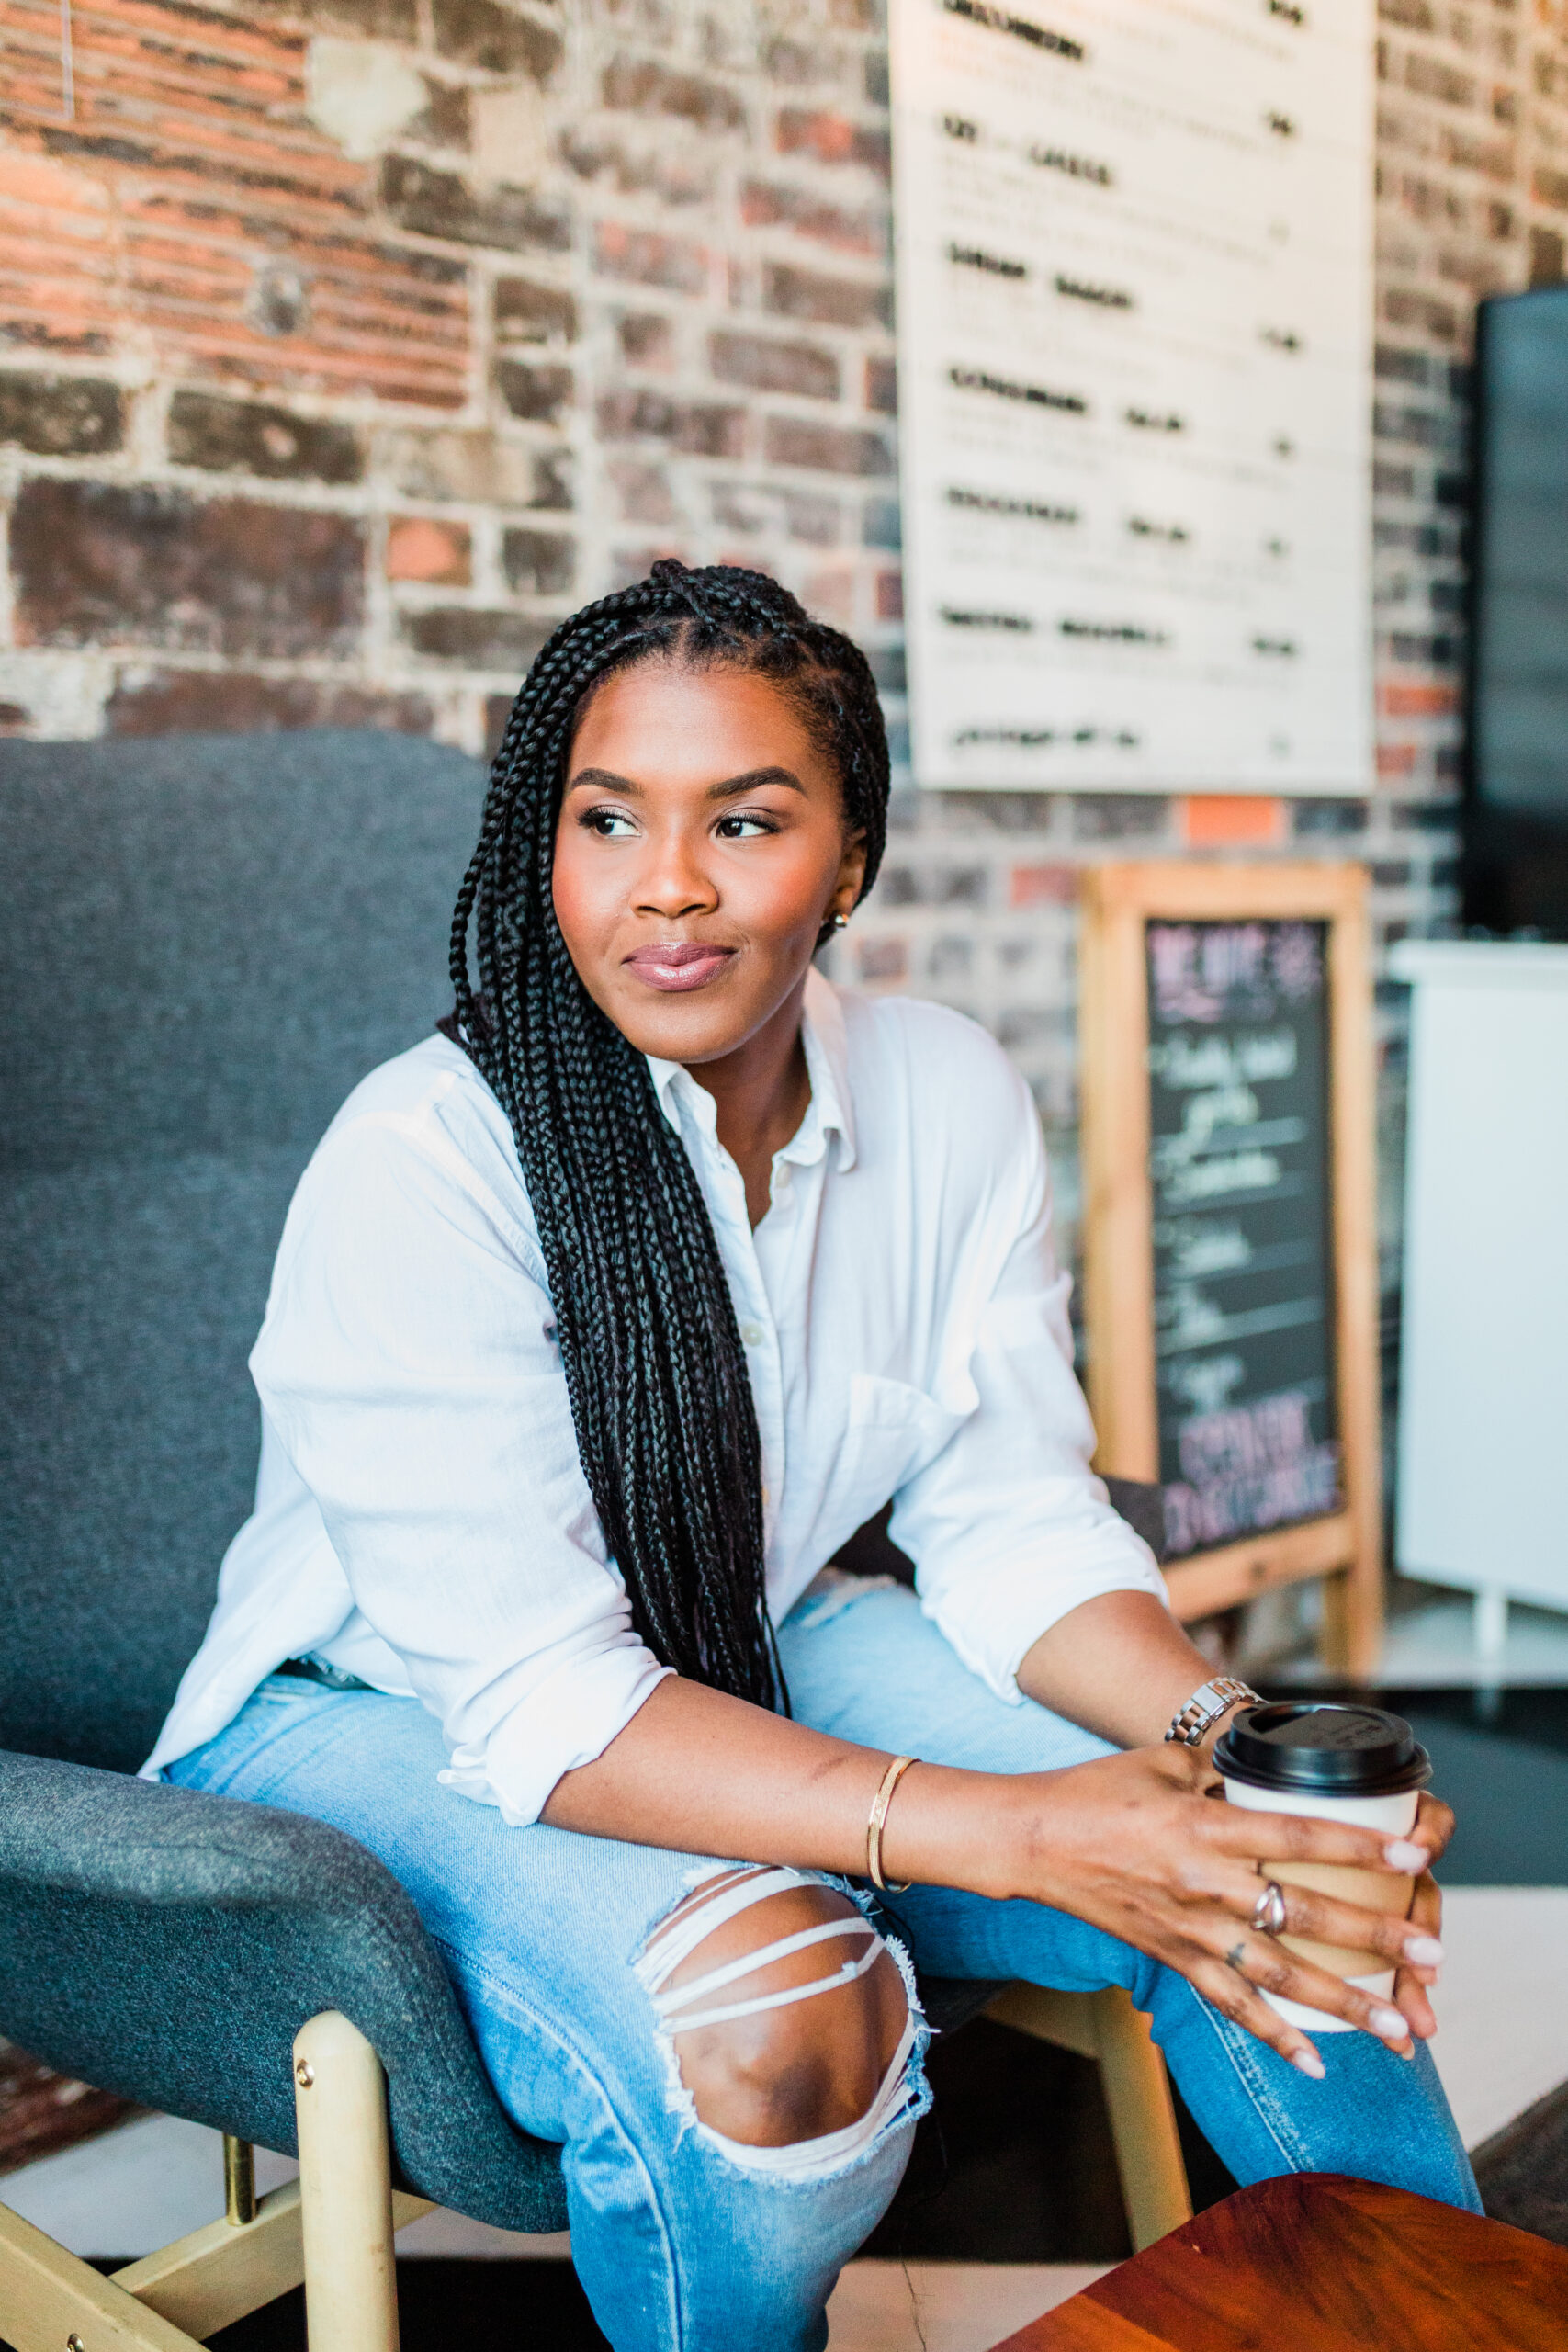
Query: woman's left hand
1410, 1984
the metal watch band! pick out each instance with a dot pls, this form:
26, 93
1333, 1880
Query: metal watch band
1208, 1703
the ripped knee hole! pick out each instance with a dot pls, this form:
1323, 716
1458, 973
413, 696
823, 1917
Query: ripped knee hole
784, 2009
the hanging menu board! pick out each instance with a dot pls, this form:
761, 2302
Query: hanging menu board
1134, 248
1230, 1268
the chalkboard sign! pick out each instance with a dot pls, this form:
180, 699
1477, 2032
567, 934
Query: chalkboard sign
1239, 1171
1229, 1265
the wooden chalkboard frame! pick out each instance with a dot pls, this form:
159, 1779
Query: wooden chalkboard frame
1117, 902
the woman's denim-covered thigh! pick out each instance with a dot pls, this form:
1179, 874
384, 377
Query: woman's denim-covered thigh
677, 2246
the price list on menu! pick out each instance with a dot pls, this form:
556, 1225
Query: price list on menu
1133, 245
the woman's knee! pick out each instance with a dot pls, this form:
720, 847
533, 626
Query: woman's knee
791, 2071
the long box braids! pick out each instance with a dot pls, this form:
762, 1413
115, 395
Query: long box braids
655, 1371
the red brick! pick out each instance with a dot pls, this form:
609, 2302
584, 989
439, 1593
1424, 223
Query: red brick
700, 428
97, 564
1396, 759
244, 436
243, 238
441, 204
889, 596
1043, 885
61, 416
525, 312
497, 710
420, 548
644, 492
832, 138
648, 341
649, 259
883, 959
1405, 698
644, 86
882, 386
828, 301
501, 40
537, 394
227, 702
765, 205
538, 563
827, 448
1216, 820
475, 638
768, 366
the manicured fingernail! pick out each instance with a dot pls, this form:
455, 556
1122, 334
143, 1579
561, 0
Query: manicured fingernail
1424, 1951
1307, 2061
1389, 2024
1403, 1856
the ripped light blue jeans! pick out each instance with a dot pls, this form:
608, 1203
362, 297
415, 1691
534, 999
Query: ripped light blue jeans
680, 2247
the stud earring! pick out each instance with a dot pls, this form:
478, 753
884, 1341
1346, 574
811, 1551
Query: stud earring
841, 922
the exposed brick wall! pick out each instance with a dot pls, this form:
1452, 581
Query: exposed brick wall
345, 344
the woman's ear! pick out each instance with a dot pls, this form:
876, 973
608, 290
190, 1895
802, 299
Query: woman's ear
851, 876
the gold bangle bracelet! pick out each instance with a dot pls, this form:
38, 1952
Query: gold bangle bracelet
879, 1805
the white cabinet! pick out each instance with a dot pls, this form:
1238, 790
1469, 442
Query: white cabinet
1484, 1380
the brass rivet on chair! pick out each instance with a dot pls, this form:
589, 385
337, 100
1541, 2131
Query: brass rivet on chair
304, 2073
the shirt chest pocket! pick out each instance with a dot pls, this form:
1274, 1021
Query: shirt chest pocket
893, 1431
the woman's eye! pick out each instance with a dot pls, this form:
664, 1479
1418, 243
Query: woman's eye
744, 829
610, 824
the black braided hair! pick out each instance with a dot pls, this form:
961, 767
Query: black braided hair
661, 1398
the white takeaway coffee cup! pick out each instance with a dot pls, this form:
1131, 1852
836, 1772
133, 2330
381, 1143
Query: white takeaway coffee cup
1334, 1763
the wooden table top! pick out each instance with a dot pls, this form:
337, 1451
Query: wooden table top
1318, 2262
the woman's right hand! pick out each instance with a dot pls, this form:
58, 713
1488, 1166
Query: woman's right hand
1134, 1844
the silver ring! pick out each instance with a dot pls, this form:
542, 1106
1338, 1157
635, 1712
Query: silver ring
1269, 1911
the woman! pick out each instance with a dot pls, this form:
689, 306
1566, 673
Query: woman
598, 1325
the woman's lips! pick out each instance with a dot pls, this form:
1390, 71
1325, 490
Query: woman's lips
675, 966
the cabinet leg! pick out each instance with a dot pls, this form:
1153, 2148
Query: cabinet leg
1491, 1624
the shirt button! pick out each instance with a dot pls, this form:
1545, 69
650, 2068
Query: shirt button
751, 1335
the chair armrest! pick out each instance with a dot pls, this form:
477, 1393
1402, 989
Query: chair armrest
1142, 1505
168, 1945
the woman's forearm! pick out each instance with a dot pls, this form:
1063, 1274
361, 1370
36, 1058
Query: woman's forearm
697, 1770
1120, 1665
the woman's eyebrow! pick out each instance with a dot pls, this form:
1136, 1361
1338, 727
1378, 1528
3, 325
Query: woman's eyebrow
752, 780
605, 780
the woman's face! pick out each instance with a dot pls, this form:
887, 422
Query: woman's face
700, 845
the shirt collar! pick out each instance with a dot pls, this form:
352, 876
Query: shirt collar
827, 1061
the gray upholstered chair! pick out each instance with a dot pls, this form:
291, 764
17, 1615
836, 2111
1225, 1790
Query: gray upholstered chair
204, 943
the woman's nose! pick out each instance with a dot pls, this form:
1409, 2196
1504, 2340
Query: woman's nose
674, 880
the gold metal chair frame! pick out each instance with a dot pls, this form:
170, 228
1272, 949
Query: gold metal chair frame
332, 2228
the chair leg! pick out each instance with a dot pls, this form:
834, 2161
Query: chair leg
1143, 2120
340, 2100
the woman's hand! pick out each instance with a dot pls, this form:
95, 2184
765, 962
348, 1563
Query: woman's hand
1133, 1844
1434, 1827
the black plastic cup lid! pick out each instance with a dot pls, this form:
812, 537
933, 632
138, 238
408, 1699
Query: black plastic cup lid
1309, 1748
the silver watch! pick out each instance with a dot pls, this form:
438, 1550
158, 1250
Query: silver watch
1207, 1704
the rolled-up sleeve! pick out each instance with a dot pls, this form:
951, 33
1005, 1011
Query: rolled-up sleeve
410, 1367
1007, 1526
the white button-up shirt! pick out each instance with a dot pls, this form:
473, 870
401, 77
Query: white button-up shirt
422, 1519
